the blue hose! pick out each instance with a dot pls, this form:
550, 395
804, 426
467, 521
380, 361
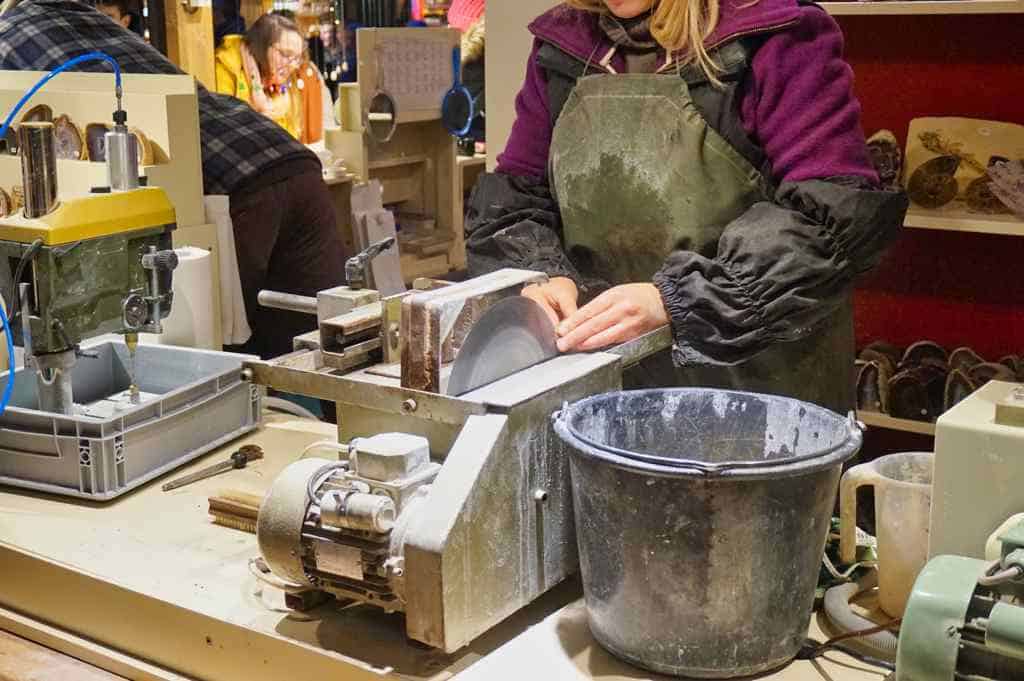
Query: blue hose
89, 56
9, 383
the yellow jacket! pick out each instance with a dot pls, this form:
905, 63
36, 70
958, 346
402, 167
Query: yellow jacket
232, 80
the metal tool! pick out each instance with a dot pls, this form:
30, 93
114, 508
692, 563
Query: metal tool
357, 268
238, 460
38, 168
512, 336
474, 516
965, 617
125, 259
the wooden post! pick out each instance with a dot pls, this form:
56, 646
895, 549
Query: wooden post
190, 39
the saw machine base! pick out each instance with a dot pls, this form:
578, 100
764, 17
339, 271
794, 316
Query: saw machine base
463, 538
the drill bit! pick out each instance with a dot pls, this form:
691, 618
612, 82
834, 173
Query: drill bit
132, 341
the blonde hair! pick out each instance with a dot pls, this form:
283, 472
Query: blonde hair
473, 41
678, 26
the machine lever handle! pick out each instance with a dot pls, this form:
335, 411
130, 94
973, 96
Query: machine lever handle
161, 260
357, 267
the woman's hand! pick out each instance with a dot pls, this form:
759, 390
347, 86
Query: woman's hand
618, 315
558, 297
251, 68
258, 97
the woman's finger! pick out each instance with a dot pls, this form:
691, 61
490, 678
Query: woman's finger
619, 333
572, 340
535, 294
586, 313
565, 300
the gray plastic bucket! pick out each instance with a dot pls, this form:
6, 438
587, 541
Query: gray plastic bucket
701, 517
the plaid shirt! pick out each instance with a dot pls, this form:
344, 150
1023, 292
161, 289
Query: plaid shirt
238, 143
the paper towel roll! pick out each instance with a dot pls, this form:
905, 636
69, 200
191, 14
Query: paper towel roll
190, 323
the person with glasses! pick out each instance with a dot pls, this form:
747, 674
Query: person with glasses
262, 68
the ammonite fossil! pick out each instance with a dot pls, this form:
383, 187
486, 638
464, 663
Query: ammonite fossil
70, 141
934, 184
145, 147
979, 195
10, 141
17, 199
38, 114
887, 158
95, 142
924, 352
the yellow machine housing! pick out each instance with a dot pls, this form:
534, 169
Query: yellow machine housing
92, 217
86, 275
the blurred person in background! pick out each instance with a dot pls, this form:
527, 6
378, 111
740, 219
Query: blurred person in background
123, 12
468, 17
268, 69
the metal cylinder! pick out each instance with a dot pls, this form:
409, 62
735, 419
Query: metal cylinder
122, 159
38, 168
1005, 633
287, 301
281, 519
358, 511
53, 381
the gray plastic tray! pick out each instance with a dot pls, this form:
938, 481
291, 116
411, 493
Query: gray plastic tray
193, 402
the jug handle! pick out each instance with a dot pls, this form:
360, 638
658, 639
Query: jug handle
853, 479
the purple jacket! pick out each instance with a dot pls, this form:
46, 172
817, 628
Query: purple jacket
783, 268
797, 103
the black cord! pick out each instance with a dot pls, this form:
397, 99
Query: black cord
813, 650
19, 270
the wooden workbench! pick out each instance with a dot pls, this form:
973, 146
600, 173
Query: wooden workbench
146, 587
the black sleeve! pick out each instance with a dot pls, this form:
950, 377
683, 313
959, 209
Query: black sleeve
514, 221
782, 267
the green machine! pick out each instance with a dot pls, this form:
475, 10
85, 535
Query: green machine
965, 618
83, 266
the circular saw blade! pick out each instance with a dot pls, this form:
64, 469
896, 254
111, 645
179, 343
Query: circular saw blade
513, 335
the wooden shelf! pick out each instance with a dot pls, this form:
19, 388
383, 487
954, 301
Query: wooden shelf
878, 420
894, 7
962, 221
471, 161
415, 159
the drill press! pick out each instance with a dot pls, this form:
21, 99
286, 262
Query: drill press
86, 265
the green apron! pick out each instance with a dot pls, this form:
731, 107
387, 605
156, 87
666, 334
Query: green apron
638, 173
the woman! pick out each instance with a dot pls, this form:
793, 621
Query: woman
722, 187
267, 68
